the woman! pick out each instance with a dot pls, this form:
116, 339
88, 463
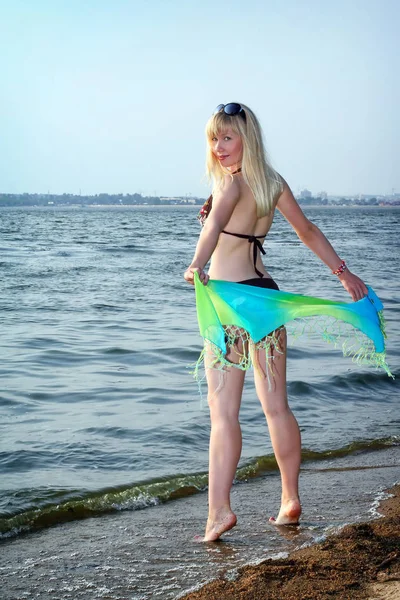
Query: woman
246, 192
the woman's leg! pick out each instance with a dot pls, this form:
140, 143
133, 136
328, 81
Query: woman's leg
225, 444
283, 429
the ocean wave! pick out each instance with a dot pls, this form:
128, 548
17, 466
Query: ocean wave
139, 496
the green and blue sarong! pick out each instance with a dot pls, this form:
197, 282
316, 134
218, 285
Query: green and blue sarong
230, 311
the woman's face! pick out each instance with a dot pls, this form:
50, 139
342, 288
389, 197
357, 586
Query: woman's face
227, 147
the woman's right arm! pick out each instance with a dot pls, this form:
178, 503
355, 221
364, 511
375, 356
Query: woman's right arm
314, 239
223, 207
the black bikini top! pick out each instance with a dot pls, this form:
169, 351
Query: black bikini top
253, 239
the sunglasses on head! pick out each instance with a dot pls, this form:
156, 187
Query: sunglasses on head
231, 109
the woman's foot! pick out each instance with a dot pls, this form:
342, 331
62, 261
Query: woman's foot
289, 513
221, 522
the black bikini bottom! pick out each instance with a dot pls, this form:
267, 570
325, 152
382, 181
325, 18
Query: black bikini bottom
262, 282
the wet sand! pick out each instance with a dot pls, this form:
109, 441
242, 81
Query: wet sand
360, 562
149, 554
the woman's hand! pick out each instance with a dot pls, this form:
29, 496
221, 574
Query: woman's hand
189, 275
353, 285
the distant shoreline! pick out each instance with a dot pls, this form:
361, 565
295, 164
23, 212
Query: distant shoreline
184, 206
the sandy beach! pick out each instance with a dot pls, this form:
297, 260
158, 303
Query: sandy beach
360, 562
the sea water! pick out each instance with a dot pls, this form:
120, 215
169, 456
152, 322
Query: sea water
101, 416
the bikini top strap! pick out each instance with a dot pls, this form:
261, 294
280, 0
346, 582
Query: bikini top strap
252, 239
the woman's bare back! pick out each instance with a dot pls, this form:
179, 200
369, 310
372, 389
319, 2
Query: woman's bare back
232, 259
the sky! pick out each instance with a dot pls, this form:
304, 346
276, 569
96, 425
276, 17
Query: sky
108, 96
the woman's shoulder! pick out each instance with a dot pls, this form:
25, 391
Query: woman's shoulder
229, 190
277, 183
231, 184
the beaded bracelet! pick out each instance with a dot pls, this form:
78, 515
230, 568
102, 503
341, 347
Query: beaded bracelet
342, 267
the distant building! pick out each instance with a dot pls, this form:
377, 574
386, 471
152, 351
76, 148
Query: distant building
178, 199
322, 195
305, 194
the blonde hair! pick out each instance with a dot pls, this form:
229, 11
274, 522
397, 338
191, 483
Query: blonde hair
265, 183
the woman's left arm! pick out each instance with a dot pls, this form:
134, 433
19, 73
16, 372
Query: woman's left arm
314, 239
